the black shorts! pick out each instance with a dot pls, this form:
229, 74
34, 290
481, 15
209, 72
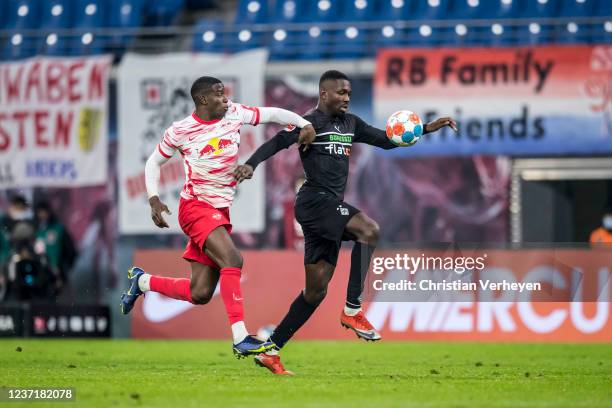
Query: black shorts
323, 218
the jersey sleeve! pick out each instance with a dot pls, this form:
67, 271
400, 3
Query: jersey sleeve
169, 144
249, 115
367, 134
280, 141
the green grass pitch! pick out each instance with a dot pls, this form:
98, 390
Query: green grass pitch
179, 374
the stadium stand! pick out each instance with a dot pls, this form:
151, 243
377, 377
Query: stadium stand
295, 30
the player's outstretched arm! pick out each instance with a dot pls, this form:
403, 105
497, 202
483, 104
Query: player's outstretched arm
365, 133
287, 118
280, 141
439, 124
152, 175
368, 134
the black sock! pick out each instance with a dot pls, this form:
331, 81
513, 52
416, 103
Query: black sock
299, 312
360, 263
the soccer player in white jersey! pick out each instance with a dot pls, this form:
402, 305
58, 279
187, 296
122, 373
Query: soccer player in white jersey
208, 142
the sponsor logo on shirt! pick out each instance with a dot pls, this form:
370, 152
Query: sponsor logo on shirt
215, 146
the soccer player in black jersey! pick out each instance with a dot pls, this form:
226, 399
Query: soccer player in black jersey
319, 207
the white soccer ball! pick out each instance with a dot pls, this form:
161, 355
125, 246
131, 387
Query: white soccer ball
404, 128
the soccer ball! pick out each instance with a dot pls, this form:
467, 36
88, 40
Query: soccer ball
404, 128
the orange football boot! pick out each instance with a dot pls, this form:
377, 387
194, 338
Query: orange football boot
272, 363
360, 325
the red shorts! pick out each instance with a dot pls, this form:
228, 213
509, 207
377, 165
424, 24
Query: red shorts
198, 219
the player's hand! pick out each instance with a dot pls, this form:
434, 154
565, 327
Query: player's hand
439, 124
306, 137
157, 208
243, 172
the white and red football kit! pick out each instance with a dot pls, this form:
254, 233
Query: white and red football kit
210, 153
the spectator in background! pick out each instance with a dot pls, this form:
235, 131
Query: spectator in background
18, 212
603, 234
27, 274
54, 240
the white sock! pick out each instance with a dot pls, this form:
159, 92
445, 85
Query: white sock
349, 311
239, 332
143, 282
273, 352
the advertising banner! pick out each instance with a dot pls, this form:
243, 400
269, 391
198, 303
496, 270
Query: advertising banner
27, 319
11, 320
549, 100
154, 91
53, 122
511, 308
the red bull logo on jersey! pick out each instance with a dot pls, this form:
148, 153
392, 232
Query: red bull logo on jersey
215, 146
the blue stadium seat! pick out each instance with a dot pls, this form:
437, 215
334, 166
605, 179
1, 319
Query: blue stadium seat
469, 32
577, 8
428, 34
535, 10
244, 38
289, 11
200, 4
208, 36
360, 10
349, 43
54, 44
4, 12
325, 11
317, 40
126, 14
23, 14
575, 32
602, 33
19, 46
162, 12
249, 12
252, 12
57, 14
396, 10
284, 44
387, 36
542, 8
478, 12
90, 14
434, 10
316, 43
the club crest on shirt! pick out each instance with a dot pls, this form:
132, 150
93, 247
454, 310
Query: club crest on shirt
289, 128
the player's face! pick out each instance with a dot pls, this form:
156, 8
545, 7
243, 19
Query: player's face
216, 101
336, 96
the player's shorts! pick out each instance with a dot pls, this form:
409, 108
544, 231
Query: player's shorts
197, 220
323, 218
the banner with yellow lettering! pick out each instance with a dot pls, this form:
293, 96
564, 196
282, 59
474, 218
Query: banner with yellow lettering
53, 122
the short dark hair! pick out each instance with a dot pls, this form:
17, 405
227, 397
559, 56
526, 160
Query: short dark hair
333, 75
18, 200
202, 84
